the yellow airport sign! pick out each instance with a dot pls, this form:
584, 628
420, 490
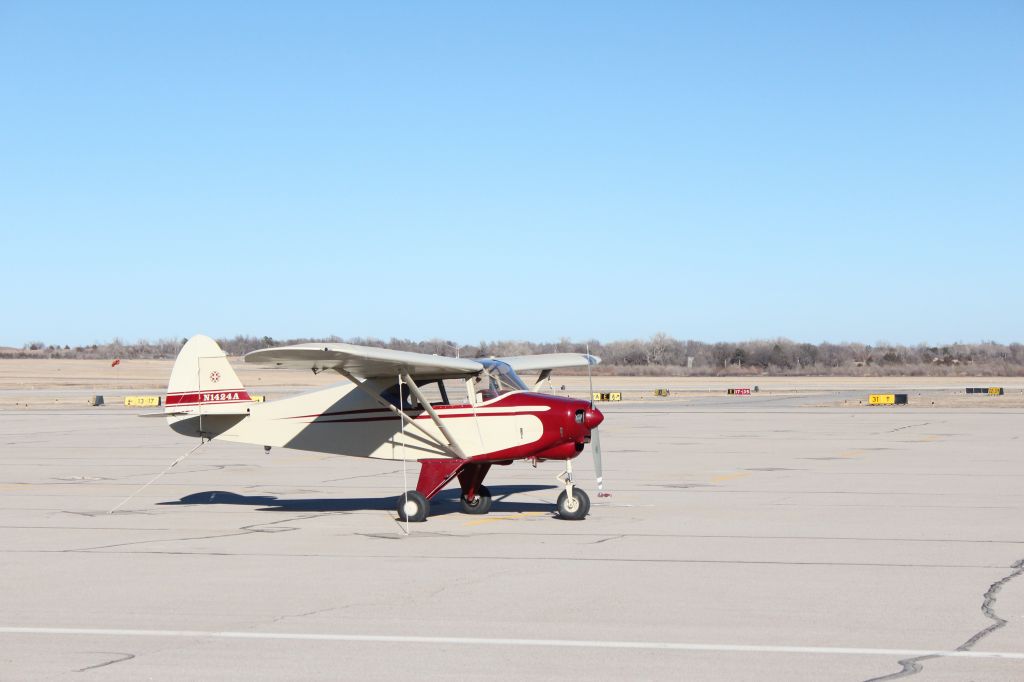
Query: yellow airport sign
142, 401
888, 399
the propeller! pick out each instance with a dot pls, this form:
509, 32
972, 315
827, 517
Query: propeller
595, 436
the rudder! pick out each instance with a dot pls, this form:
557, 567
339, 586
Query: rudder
203, 383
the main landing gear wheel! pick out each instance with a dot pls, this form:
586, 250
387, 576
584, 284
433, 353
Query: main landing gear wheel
481, 504
573, 508
412, 506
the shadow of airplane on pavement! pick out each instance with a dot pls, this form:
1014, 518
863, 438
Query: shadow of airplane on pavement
445, 502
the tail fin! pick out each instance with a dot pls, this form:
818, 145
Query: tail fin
204, 385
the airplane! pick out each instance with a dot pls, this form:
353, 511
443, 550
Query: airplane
456, 417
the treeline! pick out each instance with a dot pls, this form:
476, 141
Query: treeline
659, 355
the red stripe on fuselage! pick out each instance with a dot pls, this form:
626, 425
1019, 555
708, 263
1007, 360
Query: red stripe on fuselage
391, 417
340, 413
519, 399
438, 408
208, 397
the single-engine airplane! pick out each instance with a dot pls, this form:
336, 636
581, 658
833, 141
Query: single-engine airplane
455, 416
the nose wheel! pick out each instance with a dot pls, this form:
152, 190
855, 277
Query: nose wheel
573, 504
574, 507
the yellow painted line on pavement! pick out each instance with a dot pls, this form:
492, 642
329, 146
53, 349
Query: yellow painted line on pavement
513, 517
730, 477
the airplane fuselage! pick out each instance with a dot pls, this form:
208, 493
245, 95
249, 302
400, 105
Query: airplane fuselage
342, 420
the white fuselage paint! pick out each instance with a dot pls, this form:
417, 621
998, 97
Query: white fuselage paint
344, 420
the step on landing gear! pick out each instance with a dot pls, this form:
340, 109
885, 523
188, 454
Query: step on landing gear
573, 503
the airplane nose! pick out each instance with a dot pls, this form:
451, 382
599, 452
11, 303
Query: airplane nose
593, 418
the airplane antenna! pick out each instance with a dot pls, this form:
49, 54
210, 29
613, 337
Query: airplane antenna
155, 478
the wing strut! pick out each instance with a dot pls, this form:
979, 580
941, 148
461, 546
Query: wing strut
545, 375
415, 390
451, 451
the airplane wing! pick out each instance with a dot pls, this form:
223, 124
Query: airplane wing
549, 361
364, 361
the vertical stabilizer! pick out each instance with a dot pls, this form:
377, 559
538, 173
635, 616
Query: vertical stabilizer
203, 383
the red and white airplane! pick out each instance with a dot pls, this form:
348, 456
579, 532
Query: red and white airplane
456, 417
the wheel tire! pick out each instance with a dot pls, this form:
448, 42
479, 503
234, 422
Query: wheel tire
575, 508
481, 503
413, 507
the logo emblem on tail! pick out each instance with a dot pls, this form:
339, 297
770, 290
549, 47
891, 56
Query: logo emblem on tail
214, 377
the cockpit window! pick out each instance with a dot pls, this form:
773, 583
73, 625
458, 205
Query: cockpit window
497, 379
434, 391
509, 380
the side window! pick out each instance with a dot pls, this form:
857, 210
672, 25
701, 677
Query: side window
487, 387
433, 391
456, 391
437, 393
391, 394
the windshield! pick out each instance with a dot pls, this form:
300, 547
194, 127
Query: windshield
497, 379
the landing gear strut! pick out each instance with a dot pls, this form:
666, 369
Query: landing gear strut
476, 498
435, 474
573, 503
481, 503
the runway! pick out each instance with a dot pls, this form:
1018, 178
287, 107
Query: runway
742, 541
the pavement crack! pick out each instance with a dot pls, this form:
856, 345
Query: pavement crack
215, 467
272, 527
459, 583
122, 656
352, 478
155, 540
988, 607
306, 614
302, 615
266, 527
908, 426
610, 537
912, 666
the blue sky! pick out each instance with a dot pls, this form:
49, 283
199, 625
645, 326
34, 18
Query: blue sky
719, 171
